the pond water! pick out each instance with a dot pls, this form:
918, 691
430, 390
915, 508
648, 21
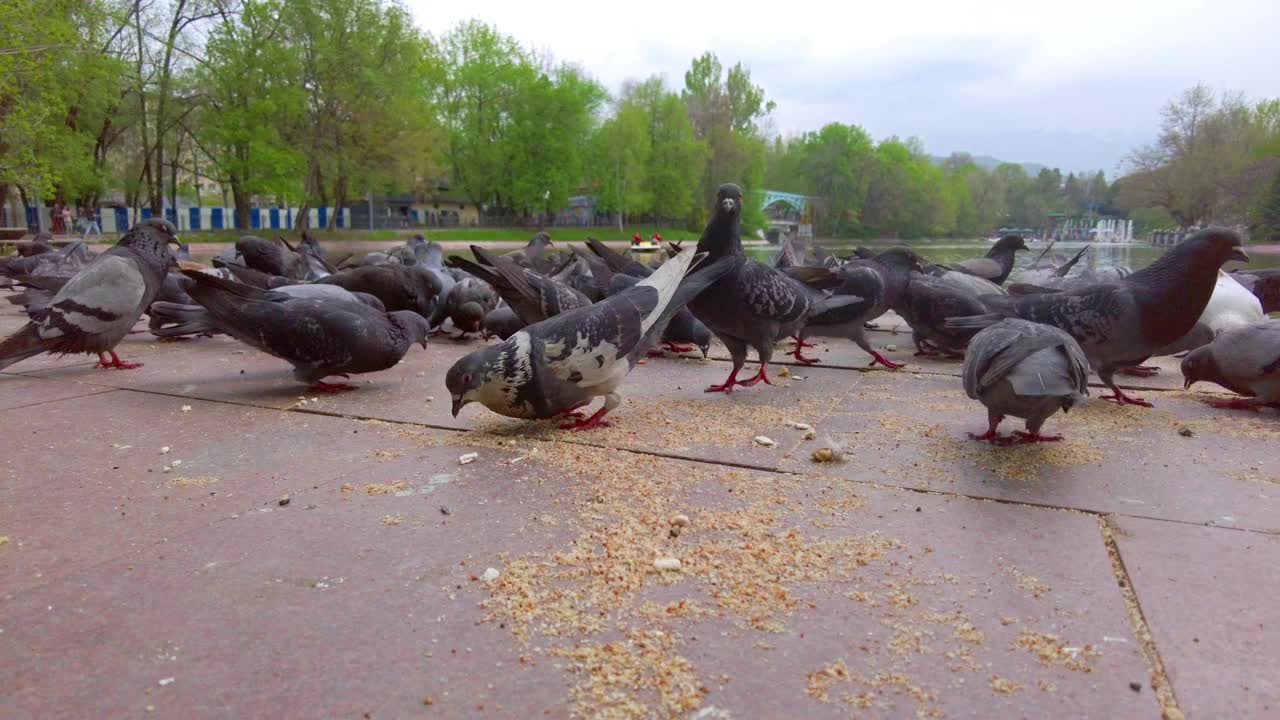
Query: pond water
1102, 255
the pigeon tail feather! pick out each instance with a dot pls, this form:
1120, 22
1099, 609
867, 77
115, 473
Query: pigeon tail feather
21, 345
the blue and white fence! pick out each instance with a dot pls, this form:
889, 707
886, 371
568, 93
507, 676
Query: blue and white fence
118, 220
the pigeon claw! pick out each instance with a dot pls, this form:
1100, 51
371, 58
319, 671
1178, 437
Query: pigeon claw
796, 353
115, 362
727, 386
1034, 437
878, 358
801, 343
324, 387
596, 420
758, 377
1121, 399
1140, 370
993, 437
675, 348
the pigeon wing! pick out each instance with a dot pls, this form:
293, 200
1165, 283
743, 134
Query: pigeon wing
103, 299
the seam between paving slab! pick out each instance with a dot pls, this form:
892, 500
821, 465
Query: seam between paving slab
1160, 682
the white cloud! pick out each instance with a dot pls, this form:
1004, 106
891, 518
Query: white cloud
1072, 84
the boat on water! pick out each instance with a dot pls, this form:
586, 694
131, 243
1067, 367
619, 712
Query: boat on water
646, 245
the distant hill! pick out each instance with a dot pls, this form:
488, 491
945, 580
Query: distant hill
986, 162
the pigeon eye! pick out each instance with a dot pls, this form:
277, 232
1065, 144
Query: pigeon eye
466, 379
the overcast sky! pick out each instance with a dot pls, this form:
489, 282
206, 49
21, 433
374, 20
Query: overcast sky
1074, 84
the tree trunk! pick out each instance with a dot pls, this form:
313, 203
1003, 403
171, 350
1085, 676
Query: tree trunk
340, 199
241, 201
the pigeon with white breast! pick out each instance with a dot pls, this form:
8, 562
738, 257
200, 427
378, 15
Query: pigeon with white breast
551, 368
97, 307
1026, 370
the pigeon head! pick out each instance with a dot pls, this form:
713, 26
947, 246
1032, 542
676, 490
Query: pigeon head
702, 337
1209, 248
1199, 365
414, 326
902, 258
151, 239
728, 200
468, 316
1008, 244
467, 377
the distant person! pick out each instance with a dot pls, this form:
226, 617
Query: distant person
89, 224
66, 219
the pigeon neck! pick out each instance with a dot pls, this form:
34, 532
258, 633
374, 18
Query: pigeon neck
1181, 283
722, 237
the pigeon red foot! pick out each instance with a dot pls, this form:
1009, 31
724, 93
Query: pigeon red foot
761, 376
571, 412
673, 347
797, 352
922, 351
1121, 399
992, 435
878, 358
727, 385
324, 387
596, 420
115, 362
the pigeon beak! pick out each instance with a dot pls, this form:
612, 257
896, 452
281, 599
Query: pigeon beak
457, 405
1187, 383
727, 204
1239, 254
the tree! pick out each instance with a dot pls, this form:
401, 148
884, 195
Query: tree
621, 160
253, 100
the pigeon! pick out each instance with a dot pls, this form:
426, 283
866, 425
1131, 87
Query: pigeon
1264, 284
1120, 324
179, 320
1244, 360
533, 296
882, 285
503, 322
998, 262
750, 305
927, 304
319, 337
471, 300
278, 257
531, 255
613, 272
399, 287
552, 368
1231, 305
97, 307
1026, 370
430, 259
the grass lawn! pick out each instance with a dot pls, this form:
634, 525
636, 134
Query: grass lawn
465, 234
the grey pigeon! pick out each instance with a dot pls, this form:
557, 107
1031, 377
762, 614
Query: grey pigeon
1120, 324
503, 322
927, 304
551, 368
531, 256
319, 337
998, 262
430, 258
172, 319
1026, 370
1244, 360
882, 285
399, 287
1264, 283
751, 305
613, 272
532, 295
470, 301
97, 307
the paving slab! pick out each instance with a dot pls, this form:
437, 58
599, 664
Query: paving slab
1208, 595
18, 391
796, 593
664, 408
87, 484
912, 431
